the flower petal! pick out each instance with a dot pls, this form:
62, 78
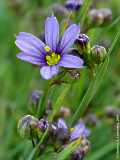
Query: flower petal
68, 38
71, 61
29, 43
52, 32
80, 130
61, 123
31, 59
48, 72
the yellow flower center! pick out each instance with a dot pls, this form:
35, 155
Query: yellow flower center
52, 59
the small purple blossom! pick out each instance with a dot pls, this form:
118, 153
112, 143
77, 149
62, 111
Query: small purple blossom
53, 53
74, 4
79, 131
61, 123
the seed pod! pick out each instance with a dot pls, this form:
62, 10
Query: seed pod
27, 126
83, 43
98, 54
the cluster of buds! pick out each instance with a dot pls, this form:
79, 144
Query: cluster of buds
100, 17
59, 134
94, 55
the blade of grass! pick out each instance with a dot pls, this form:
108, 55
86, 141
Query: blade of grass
59, 101
31, 156
68, 150
84, 11
94, 85
102, 152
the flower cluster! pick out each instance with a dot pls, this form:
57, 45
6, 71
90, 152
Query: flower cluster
59, 134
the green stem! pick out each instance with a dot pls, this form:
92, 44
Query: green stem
42, 103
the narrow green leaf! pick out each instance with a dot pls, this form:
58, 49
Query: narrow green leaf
59, 101
84, 11
102, 152
65, 153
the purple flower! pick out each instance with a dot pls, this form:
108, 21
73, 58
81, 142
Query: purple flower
53, 53
74, 4
79, 131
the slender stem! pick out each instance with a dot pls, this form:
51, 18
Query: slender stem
42, 103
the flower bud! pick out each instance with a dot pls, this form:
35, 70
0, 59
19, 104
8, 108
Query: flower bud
74, 74
92, 119
27, 125
43, 124
98, 54
59, 131
77, 155
100, 17
35, 97
74, 4
112, 111
83, 43
65, 112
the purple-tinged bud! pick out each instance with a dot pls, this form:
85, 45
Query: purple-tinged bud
99, 17
35, 97
112, 111
43, 124
27, 125
74, 4
83, 43
98, 54
92, 120
59, 131
77, 155
65, 112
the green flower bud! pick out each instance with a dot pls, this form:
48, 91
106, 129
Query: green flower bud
83, 43
27, 125
98, 54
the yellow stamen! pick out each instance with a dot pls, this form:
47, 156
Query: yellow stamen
71, 129
47, 48
52, 59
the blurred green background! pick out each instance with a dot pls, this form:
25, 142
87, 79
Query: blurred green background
18, 79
